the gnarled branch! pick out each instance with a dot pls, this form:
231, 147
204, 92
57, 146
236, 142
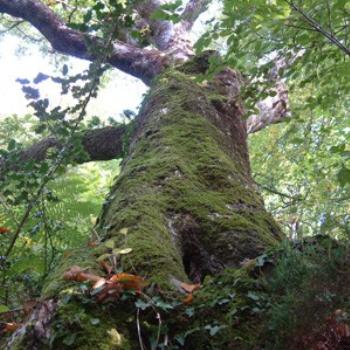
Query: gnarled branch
141, 63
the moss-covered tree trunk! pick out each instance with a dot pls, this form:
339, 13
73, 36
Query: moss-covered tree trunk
184, 202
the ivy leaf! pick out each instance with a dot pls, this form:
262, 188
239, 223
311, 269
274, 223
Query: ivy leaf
213, 329
141, 304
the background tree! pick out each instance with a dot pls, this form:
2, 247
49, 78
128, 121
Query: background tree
184, 206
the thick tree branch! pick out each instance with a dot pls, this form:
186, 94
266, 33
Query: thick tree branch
100, 144
141, 63
272, 110
171, 38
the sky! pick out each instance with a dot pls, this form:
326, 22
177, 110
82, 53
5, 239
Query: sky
19, 59
121, 92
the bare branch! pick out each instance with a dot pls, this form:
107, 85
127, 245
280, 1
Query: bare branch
11, 27
141, 63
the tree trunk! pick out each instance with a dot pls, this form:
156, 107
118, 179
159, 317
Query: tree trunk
184, 202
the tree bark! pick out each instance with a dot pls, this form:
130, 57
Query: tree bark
184, 202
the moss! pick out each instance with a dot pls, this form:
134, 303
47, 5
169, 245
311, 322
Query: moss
182, 163
84, 258
88, 327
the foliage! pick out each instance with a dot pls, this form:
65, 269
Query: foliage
38, 222
300, 169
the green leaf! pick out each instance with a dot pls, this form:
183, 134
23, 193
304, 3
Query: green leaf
253, 296
103, 257
3, 308
141, 304
343, 176
213, 329
122, 251
109, 244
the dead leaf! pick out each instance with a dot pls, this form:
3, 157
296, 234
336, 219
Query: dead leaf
9, 327
129, 281
124, 231
188, 299
4, 229
67, 254
28, 306
75, 273
111, 291
101, 282
190, 288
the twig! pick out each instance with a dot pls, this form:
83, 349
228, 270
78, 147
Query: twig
13, 26
318, 27
139, 329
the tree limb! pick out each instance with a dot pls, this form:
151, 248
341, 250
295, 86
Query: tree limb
272, 110
100, 144
141, 63
171, 38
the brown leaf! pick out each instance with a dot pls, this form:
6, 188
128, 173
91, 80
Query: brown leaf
9, 327
129, 281
99, 283
190, 288
75, 273
188, 299
4, 229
